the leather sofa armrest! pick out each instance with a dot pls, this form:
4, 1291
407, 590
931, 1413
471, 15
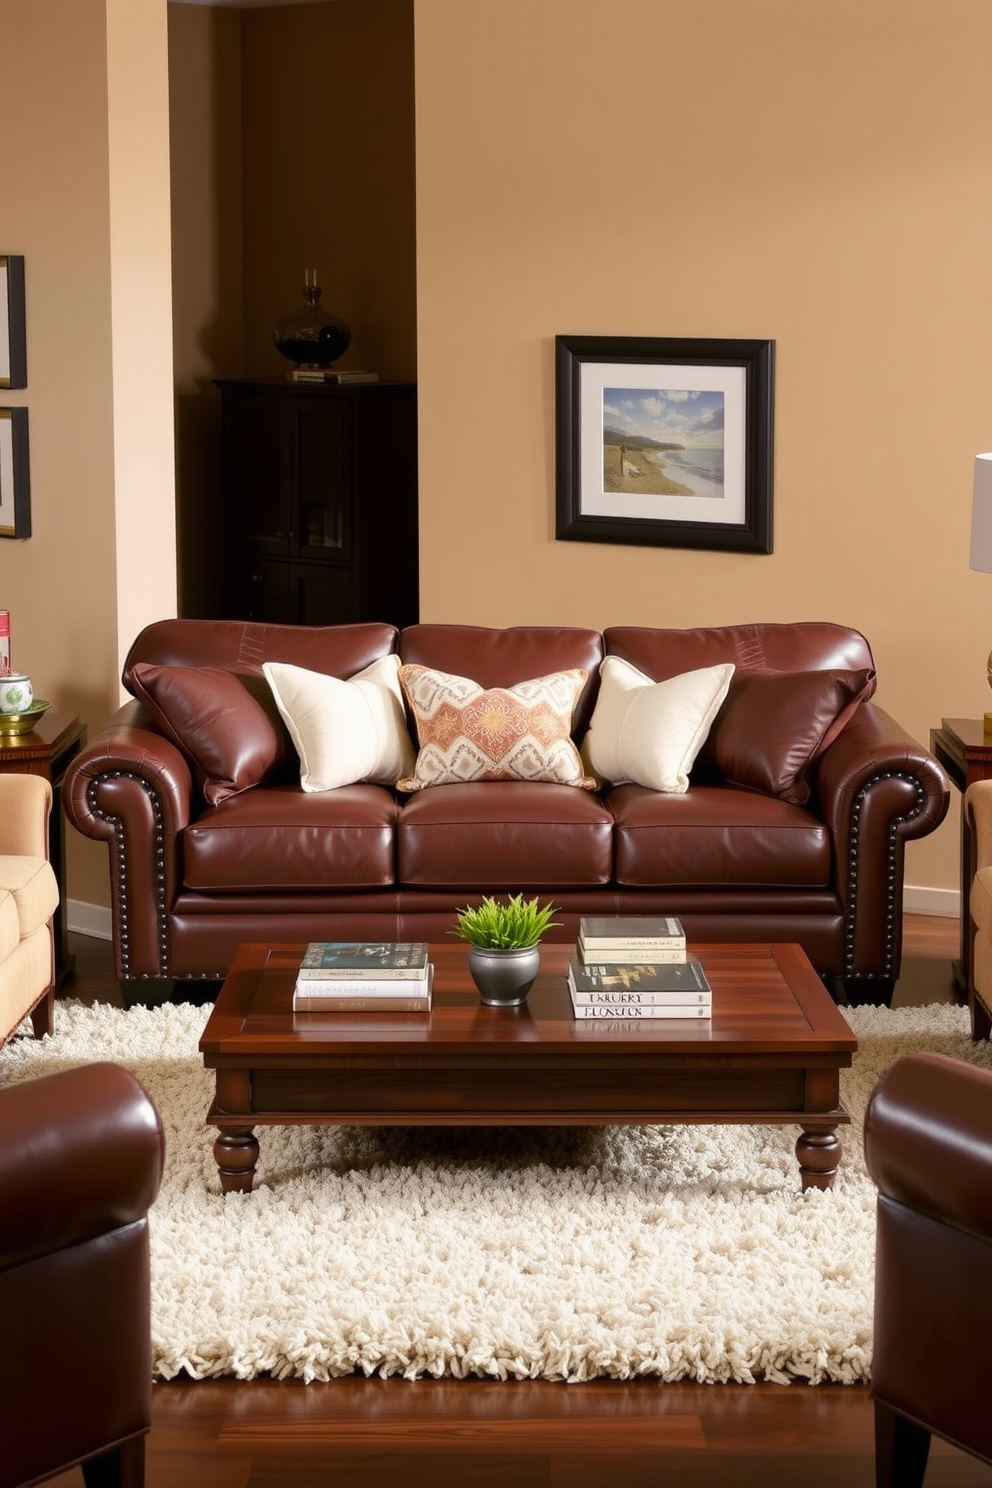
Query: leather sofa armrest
877, 789
132, 788
81, 1154
928, 1140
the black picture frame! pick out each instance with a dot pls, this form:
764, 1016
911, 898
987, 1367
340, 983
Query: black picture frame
13, 335
715, 492
15, 474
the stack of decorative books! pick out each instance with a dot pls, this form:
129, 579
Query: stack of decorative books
636, 966
364, 976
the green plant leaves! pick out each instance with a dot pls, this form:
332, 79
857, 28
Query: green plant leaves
505, 925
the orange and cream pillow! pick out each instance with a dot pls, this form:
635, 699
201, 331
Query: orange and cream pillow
467, 732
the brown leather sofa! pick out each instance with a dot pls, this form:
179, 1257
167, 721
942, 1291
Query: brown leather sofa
81, 1156
193, 874
928, 1144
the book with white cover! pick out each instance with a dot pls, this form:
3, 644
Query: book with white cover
641, 999
394, 997
337, 987
696, 1012
623, 955
368, 960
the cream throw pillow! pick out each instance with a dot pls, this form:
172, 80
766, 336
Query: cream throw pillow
344, 731
468, 732
649, 733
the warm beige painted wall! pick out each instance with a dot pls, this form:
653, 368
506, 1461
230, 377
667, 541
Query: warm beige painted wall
637, 167
54, 209
141, 313
79, 77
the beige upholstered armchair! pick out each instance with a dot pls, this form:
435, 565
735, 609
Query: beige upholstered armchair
28, 897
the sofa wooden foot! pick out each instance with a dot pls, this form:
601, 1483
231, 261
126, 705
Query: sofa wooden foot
43, 1015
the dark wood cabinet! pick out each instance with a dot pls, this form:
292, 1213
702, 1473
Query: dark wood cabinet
320, 502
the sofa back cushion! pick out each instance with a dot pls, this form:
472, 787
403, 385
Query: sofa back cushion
504, 657
807, 645
241, 646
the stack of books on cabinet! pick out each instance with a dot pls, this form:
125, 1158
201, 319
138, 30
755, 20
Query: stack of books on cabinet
636, 966
364, 976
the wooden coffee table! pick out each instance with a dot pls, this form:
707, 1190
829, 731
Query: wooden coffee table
773, 1052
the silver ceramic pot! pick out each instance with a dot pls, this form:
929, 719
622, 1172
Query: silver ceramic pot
504, 977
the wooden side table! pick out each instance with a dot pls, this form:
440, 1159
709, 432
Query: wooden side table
965, 751
55, 740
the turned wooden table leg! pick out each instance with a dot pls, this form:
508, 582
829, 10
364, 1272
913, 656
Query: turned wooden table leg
236, 1154
819, 1150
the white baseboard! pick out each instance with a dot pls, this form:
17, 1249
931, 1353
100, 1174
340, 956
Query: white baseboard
94, 919
917, 899
88, 919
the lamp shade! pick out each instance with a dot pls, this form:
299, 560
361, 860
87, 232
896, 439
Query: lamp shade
981, 515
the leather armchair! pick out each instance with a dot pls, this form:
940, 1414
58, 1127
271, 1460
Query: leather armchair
928, 1144
28, 898
81, 1157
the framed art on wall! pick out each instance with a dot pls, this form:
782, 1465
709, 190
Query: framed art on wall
13, 341
664, 442
15, 477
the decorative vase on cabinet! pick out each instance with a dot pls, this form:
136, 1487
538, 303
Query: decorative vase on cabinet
312, 336
320, 501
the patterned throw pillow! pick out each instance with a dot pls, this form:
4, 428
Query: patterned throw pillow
467, 732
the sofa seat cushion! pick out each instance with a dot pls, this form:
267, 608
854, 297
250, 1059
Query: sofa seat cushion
716, 836
34, 889
282, 838
504, 835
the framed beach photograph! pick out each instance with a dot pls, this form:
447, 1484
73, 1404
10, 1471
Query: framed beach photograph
664, 442
13, 340
15, 478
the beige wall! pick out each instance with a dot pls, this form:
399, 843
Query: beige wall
818, 176
66, 175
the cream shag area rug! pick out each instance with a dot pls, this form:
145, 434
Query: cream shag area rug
674, 1252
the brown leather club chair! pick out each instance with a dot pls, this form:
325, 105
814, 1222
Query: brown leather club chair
928, 1144
81, 1157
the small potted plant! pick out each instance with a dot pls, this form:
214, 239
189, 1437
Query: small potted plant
504, 936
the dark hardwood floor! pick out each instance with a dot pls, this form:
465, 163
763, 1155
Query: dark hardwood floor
476, 1434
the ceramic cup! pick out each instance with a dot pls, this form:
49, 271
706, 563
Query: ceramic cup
16, 693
